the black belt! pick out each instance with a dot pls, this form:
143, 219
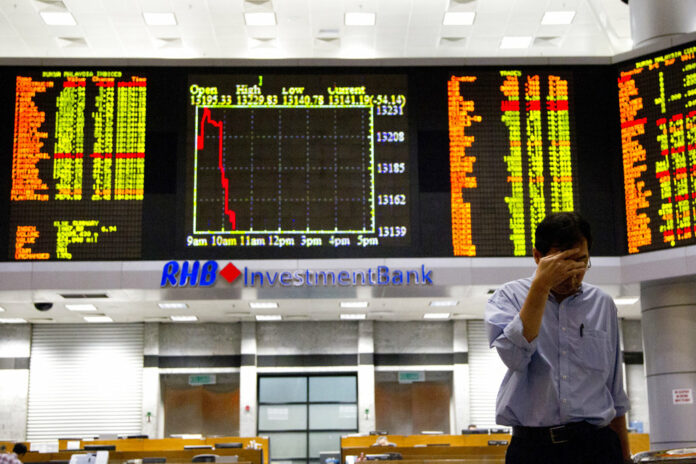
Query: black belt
555, 435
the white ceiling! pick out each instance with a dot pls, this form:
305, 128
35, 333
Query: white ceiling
308, 29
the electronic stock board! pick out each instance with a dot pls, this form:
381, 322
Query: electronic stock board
322, 162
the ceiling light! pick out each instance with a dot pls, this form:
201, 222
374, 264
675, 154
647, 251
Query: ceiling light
441, 303
263, 304
172, 305
626, 300
353, 317
557, 17
515, 42
354, 304
260, 19
459, 18
269, 317
183, 318
80, 307
12, 320
2, 309
58, 18
160, 19
436, 316
98, 319
360, 19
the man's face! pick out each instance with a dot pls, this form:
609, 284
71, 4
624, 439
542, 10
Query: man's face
572, 284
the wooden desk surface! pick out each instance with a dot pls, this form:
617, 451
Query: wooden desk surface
429, 453
171, 444
638, 441
245, 455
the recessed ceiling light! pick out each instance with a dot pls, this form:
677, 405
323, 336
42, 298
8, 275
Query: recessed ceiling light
263, 304
58, 18
80, 307
557, 17
354, 304
172, 305
436, 316
183, 318
442, 303
160, 19
269, 317
238, 314
515, 42
459, 18
260, 19
626, 300
12, 320
360, 19
98, 319
353, 317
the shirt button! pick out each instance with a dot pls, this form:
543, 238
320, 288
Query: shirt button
563, 329
565, 401
563, 352
565, 377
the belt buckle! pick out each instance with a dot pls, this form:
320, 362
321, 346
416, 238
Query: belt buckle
559, 429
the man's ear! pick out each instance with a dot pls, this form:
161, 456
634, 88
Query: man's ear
537, 255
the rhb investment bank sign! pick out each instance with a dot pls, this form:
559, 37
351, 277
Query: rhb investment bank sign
206, 273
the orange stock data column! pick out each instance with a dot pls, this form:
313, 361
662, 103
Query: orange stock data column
460, 117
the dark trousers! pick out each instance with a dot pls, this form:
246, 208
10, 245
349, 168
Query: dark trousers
601, 446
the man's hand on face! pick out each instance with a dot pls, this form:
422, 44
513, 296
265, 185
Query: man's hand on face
560, 269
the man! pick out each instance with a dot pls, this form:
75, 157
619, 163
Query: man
559, 337
18, 450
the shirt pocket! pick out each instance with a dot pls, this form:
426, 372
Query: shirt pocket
593, 352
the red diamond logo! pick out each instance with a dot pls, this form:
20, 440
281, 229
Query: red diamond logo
230, 272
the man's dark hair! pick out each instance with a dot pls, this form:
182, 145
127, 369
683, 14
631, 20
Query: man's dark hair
19, 449
562, 231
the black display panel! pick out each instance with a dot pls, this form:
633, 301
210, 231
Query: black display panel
657, 109
288, 161
512, 156
303, 162
78, 165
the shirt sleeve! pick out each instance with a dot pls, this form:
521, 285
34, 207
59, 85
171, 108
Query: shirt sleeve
615, 381
505, 332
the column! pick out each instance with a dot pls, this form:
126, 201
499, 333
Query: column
247, 381
654, 20
153, 409
669, 338
460, 377
366, 377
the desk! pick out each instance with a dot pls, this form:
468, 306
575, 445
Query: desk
180, 456
638, 441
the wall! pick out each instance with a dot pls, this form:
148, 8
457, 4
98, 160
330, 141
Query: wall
246, 349
15, 347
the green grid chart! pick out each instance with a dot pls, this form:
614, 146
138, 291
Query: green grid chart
284, 169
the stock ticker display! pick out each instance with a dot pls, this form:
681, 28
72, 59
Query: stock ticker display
298, 162
150, 163
512, 157
657, 107
77, 173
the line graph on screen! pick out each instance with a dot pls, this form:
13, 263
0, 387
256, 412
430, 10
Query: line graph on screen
283, 169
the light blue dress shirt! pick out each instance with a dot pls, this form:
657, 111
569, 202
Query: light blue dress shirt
571, 372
